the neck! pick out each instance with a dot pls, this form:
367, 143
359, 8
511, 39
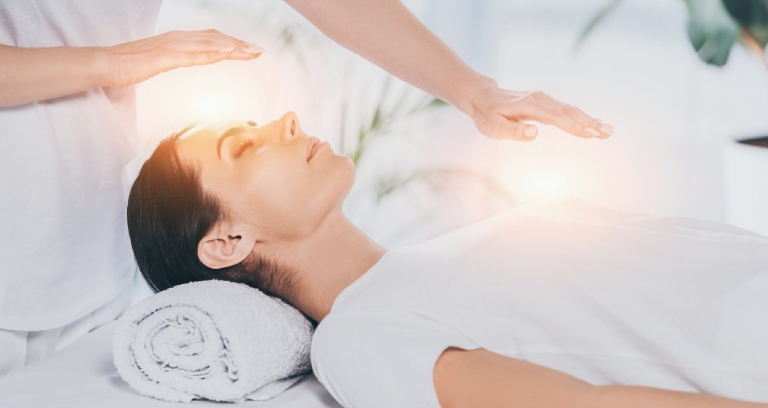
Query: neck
327, 261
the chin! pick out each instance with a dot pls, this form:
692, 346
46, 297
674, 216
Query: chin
350, 172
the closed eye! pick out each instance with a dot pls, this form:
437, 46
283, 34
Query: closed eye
242, 146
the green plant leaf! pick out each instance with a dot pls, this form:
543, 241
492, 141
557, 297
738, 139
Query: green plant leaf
436, 102
598, 18
752, 15
711, 30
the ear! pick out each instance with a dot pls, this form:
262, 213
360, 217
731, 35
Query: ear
225, 245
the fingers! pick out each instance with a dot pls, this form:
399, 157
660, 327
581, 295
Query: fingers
218, 48
500, 113
590, 125
137, 61
218, 36
211, 41
573, 112
189, 59
214, 47
550, 116
504, 128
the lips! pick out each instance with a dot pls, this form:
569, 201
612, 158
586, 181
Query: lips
311, 145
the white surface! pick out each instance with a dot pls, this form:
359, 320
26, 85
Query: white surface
83, 376
605, 296
746, 171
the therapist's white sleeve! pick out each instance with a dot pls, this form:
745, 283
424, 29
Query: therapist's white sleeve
382, 358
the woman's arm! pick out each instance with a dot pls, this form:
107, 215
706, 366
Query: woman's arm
387, 34
480, 378
35, 74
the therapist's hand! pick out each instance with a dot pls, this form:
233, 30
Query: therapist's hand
499, 114
133, 62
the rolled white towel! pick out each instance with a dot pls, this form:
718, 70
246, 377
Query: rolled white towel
214, 340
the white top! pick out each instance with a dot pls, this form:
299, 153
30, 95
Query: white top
64, 249
605, 296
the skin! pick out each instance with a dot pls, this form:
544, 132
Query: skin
481, 378
38, 74
282, 205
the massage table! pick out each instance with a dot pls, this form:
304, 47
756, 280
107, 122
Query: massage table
82, 375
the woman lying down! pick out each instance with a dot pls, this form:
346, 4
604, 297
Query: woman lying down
568, 306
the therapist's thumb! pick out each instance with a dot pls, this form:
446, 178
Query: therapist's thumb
505, 128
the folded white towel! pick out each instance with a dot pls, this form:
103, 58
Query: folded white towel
214, 340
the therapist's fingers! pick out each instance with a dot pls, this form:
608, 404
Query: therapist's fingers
136, 61
575, 113
534, 110
173, 60
190, 59
501, 114
211, 41
590, 124
501, 127
219, 37
215, 48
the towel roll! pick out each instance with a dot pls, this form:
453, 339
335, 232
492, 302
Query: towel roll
214, 340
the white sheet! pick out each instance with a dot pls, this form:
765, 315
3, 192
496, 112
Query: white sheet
83, 376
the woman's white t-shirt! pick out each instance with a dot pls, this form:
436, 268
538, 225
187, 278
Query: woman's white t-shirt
606, 296
65, 249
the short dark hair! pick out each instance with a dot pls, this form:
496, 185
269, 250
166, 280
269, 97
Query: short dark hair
169, 212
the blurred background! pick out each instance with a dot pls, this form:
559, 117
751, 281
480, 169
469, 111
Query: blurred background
423, 169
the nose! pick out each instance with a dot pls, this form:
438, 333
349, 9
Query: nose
289, 123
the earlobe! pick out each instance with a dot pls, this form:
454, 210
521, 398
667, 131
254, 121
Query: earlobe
218, 249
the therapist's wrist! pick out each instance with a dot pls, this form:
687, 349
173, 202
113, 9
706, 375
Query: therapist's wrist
469, 96
103, 65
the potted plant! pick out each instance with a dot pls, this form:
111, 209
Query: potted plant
714, 26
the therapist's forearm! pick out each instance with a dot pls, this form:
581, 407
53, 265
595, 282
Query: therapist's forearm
36, 74
387, 34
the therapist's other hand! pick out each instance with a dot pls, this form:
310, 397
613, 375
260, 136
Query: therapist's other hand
499, 114
133, 62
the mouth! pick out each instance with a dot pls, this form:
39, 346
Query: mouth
313, 146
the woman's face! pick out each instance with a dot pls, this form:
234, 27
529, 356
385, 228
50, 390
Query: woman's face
263, 176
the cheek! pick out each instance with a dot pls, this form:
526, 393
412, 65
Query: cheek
291, 199
278, 194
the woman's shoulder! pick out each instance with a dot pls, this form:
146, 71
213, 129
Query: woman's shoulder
371, 326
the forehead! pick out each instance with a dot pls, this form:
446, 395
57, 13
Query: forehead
206, 135
209, 130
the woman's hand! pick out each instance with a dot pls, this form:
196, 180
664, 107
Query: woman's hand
136, 61
499, 114
38, 74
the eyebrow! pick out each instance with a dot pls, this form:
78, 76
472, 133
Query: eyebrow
230, 132
178, 135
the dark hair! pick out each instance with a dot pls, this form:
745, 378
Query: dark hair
169, 212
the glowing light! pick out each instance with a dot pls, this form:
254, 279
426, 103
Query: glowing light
543, 185
539, 177
210, 107
547, 184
